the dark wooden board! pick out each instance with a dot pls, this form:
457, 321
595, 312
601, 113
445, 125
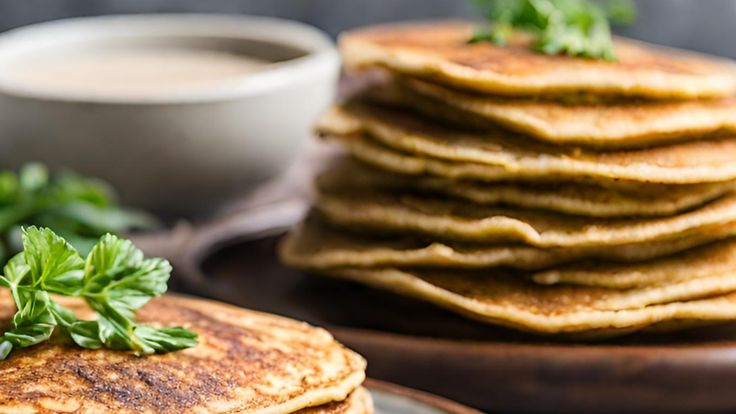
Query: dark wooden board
496, 370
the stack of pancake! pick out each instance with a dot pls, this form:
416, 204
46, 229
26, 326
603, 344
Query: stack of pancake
552, 194
246, 362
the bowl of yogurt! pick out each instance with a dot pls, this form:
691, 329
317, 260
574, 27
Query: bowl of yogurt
181, 113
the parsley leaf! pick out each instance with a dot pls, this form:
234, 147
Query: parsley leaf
115, 280
572, 27
53, 264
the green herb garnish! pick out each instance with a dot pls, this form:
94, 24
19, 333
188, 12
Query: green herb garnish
79, 209
115, 280
572, 27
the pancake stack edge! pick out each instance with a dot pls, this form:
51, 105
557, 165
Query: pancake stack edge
578, 205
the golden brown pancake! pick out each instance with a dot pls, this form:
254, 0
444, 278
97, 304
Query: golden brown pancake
440, 51
714, 259
452, 220
246, 362
382, 157
617, 124
705, 160
315, 245
496, 297
570, 198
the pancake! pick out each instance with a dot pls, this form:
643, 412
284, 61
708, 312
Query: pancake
705, 160
570, 198
714, 259
359, 402
453, 220
382, 157
601, 125
315, 245
246, 362
440, 51
508, 300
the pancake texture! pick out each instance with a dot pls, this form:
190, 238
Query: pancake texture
246, 362
510, 301
547, 193
314, 245
382, 157
440, 51
706, 261
617, 124
452, 220
701, 161
570, 198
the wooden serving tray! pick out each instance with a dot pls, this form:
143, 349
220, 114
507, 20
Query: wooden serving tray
418, 345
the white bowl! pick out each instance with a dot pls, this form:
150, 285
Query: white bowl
184, 152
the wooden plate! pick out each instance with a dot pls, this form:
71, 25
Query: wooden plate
418, 345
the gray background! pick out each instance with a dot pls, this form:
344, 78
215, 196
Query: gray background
706, 25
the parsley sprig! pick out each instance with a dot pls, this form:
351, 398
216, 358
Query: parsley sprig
79, 209
572, 27
115, 280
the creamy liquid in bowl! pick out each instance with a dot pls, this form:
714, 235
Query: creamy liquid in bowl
132, 71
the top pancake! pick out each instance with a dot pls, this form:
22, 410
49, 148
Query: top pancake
440, 51
246, 362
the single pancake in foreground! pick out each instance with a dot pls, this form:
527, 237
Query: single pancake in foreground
246, 362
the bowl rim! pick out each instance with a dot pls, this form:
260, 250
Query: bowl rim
320, 58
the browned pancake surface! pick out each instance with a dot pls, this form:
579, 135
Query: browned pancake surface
316, 245
440, 50
246, 362
701, 161
617, 124
498, 297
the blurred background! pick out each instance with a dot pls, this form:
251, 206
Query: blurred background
705, 25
